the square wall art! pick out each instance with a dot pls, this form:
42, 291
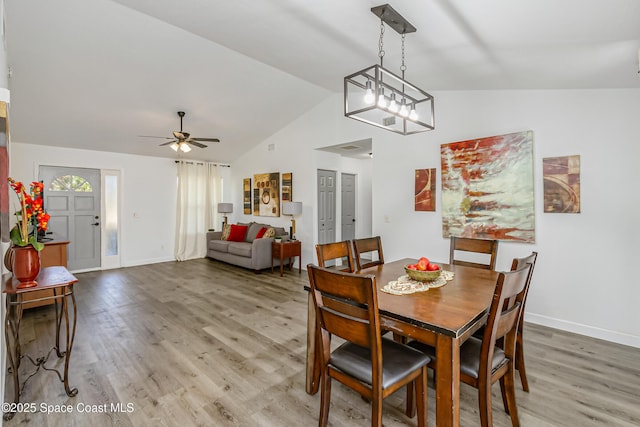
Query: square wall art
266, 194
487, 188
561, 177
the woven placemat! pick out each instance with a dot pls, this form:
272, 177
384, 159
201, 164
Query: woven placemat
406, 285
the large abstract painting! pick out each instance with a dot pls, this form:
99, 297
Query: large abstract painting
487, 188
561, 177
266, 194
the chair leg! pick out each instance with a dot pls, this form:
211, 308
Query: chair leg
410, 410
484, 403
376, 411
520, 363
421, 398
503, 392
509, 382
325, 399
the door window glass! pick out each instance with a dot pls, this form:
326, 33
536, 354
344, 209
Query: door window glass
70, 183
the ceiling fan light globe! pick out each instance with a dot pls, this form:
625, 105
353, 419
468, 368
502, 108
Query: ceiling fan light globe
174, 146
185, 148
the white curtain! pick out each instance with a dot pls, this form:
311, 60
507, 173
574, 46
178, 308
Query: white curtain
199, 192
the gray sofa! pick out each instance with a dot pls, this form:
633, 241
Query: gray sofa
252, 253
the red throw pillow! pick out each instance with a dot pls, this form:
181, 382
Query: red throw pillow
261, 232
237, 233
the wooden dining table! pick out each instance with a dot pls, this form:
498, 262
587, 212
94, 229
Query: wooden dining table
442, 317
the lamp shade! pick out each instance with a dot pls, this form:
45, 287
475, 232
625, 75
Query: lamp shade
292, 208
225, 207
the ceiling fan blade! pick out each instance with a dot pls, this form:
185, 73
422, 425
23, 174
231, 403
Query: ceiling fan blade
196, 144
147, 136
205, 139
170, 142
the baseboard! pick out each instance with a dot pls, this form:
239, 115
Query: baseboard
147, 261
590, 331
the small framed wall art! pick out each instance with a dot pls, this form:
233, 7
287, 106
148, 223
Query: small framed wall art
561, 180
246, 196
425, 193
287, 187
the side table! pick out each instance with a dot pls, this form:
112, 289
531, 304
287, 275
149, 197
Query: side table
284, 250
58, 283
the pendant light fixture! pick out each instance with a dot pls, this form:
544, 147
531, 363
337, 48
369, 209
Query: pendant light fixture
381, 98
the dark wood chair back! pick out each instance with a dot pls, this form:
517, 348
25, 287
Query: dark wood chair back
346, 305
333, 251
482, 361
372, 245
522, 297
481, 246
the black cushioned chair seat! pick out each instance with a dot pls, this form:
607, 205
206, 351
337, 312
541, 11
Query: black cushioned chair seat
397, 360
469, 355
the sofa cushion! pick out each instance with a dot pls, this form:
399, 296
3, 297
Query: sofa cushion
219, 245
225, 232
261, 233
237, 233
269, 232
240, 248
252, 231
280, 231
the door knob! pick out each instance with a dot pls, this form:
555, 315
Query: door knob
96, 223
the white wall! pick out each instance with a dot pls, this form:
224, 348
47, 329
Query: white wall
148, 192
584, 280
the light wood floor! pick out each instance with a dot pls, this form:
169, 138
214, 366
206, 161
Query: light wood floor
204, 343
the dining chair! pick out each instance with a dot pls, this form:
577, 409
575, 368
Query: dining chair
346, 306
371, 245
468, 246
482, 362
338, 250
522, 297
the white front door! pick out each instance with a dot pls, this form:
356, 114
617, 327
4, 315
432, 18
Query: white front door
72, 198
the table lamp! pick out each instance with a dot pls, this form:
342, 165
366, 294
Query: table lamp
225, 208
293, 209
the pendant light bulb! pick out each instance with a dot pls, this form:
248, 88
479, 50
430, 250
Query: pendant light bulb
382, 100
393, 105
412, 114
369, 97
404, 111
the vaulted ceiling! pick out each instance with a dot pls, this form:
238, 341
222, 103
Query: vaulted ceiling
98, 74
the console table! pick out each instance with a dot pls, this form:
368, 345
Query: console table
282, 250
57, 283
54, 253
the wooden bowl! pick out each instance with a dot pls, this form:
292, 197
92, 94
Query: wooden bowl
423, 276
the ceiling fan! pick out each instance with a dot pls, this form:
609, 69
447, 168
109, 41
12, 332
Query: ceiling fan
182, 140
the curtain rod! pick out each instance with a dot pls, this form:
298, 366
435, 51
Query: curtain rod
193, 162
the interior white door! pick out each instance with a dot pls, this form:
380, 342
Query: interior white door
348, 199
72, 198
326, 206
